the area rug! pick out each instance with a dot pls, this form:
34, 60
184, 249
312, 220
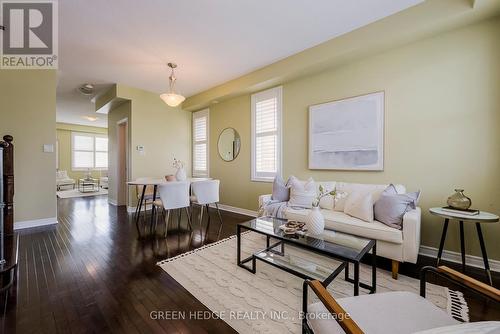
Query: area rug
75, 193
270, 301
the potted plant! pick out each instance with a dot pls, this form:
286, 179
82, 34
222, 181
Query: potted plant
315, 221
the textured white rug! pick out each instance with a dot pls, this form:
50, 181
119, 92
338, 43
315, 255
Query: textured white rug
247, 301
75, 193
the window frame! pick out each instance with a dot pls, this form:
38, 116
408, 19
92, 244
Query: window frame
276, 92
94, 136
199, 114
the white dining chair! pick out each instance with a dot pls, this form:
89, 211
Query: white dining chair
148, 196
174, 195
206, 193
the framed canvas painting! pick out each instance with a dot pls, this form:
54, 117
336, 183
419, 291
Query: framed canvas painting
348, 134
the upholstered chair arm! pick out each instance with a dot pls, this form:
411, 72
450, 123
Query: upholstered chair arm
411, 235
340, 315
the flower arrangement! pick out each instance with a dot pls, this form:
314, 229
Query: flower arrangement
336, 194
178, 164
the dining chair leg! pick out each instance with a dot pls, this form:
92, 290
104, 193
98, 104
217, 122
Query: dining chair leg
220, 219
208, 214
201, 215
189, 219
167, 219
156, 222
179, 212
218, 212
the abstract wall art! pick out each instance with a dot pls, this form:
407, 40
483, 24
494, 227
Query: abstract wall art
348, 134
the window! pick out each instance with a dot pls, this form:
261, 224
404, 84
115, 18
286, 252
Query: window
89, 150
200, 143
266, 134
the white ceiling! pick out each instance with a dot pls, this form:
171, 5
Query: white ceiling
212, 41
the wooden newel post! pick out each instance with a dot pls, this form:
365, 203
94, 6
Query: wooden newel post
8, 183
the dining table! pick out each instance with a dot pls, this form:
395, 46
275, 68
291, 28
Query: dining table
154, 182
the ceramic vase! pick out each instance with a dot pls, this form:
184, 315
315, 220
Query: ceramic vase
459, 201
180, 175
315, 221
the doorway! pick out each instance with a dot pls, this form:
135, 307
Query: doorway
122, 165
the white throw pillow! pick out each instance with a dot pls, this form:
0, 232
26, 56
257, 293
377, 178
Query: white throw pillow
326, 202
302, 193
360, 205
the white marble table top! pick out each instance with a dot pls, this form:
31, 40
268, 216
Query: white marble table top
482, 217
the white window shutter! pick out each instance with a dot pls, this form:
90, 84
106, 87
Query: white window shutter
89, 150
200, 143
266, 134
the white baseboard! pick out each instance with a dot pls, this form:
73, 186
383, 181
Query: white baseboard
112, 202
241, 211
35, 223
470, 260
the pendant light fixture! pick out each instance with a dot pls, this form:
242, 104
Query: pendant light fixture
171, 98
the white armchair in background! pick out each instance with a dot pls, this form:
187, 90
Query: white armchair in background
103, 180
63, 180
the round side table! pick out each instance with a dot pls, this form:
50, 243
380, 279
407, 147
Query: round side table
482, 217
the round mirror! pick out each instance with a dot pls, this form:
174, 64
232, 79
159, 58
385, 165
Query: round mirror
229, 144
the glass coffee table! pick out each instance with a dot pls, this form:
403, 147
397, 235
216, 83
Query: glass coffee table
343, 247
88, 185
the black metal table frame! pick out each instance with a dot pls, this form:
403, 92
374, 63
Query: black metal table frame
344, 265
139, 207
462, 246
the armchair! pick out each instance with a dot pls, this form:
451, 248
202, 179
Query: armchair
62, 180
396, 312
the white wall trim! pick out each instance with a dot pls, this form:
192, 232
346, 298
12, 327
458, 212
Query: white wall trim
35, 223
470, 260
241, 211
112, 202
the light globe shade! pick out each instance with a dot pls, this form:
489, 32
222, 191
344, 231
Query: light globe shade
172, 99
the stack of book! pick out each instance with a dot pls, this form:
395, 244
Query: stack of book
469, 212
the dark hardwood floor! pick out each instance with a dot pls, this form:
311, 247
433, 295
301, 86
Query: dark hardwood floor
91, 274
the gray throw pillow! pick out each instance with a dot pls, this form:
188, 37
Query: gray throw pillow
281, 190
391, 206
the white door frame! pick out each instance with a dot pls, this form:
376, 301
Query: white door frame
127, 159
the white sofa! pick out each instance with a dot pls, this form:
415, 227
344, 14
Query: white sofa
397, 245
63, 180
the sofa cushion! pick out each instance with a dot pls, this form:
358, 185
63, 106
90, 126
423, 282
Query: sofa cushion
351, 188
391, 206
339, 221
360, 205
327, 202
281, 190
390, 312
302, 193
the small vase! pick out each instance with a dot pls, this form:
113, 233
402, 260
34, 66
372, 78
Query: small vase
180, 175
315, 222
459, 201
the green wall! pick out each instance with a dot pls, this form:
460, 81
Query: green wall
64, 139
28, 113
163, 131
442, 126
